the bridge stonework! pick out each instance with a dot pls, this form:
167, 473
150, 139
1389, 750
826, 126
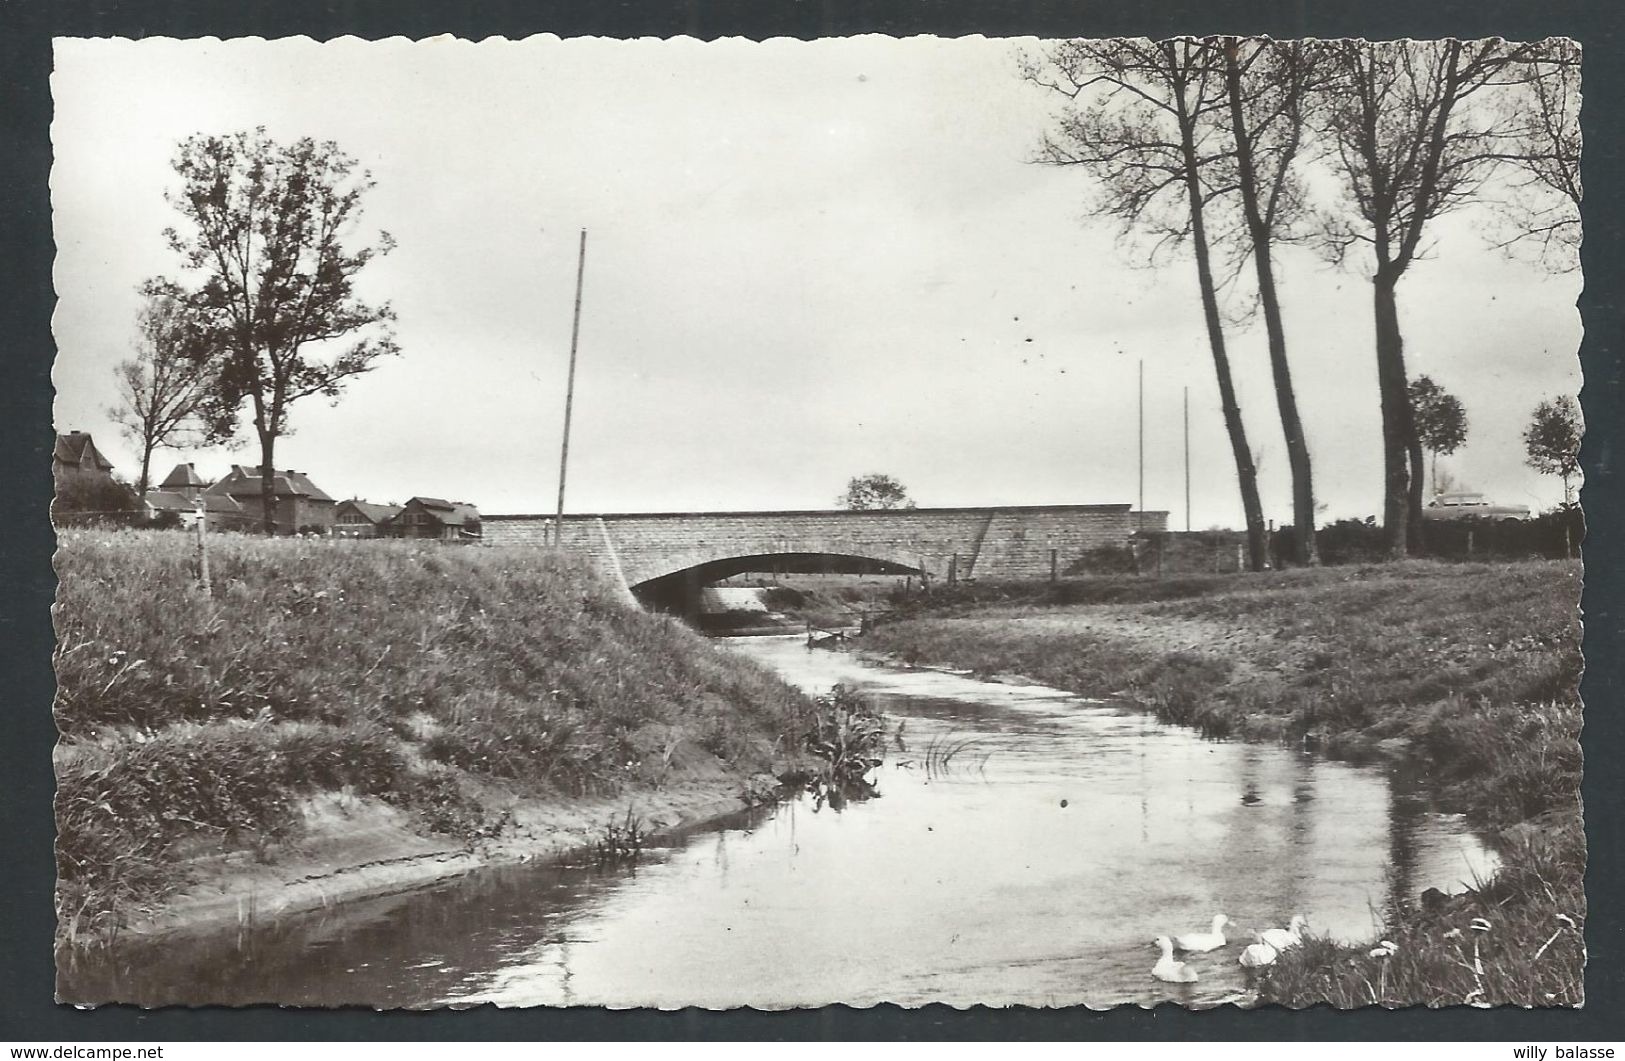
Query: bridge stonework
989, 543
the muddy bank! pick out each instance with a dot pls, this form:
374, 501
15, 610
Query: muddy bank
352, 849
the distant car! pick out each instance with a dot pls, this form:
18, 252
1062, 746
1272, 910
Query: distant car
1471, 506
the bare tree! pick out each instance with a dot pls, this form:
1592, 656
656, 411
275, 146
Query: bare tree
1543, 203
1417, 129
1267, 87
161, 391
268, 228
1140, 118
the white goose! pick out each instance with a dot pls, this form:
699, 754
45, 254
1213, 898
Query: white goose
1258, 954
1167, 969
1285, 938
1202, 942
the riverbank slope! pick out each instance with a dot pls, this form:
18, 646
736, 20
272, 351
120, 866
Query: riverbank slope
335, 719
1467, 672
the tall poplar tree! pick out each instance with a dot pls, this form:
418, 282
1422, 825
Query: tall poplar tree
1268, 88
1417, 128
1139, 118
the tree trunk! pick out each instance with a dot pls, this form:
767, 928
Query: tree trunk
146, 472
1304, 550
1397, 429
268, 483
1413, 514
1246, 472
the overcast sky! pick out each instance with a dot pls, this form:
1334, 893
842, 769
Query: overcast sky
805, 261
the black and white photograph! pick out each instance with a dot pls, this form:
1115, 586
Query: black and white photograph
660, 523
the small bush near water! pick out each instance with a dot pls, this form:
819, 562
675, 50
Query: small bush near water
1468, 673
621, 841
847, 737
847, 734
426, 676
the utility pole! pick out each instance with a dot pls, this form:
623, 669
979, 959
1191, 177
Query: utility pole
569, 394
1139, 518
1187, 460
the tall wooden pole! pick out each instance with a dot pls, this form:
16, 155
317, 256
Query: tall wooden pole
1139, 519
1187, 460
570, 393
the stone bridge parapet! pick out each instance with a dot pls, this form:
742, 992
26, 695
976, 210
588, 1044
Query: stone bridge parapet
1018, 542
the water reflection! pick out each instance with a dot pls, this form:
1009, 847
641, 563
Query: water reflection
1039, 877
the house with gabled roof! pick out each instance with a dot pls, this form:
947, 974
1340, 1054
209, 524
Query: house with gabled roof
300, 505
183, 479
436, 519
85, 487
225, 513
362, 519
76, 455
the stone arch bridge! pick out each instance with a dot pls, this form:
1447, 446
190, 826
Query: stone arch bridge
669, 555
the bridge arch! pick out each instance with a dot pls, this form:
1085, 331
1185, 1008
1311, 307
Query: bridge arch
679, 590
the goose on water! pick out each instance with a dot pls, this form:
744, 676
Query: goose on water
1201, 942
1167, 969
1285, 938
1257, 955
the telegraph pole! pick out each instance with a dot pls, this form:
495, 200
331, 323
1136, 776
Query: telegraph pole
569, 393
1187, 460
1139, 519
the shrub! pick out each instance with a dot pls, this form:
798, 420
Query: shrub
846, 734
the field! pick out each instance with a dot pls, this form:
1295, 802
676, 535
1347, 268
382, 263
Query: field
450, 694
1469, 673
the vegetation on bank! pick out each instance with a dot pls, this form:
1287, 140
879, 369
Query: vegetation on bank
447, 682
1469, 671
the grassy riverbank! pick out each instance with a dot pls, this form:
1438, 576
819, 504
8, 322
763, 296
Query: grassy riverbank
1468, 671
373, 701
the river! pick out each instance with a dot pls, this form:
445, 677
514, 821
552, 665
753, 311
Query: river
1034, 867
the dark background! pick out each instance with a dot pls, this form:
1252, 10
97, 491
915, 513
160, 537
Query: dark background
27, 582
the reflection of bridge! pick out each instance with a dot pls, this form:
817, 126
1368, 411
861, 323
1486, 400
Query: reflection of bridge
658, 554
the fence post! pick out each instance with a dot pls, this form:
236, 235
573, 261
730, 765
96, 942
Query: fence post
1568, 543
1241, 564
953, 569
203, 552
1469, 542
1054, 565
